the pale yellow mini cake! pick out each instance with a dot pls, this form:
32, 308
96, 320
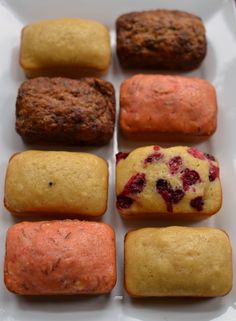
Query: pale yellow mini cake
178, 261
177, 182
63, 183
65, 47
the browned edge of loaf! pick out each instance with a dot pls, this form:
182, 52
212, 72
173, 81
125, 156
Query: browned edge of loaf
49, 214
160, 295
59, 71
191, 216
165, 137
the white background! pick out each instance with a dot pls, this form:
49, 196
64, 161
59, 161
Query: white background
219, 67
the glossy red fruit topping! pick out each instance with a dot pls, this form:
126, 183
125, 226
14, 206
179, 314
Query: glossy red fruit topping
210, 157
153, 158
190, 177
120, 156
174, 164
196, 153
197, 203
169, 195
214, 172
156, 147
123, 202
135, 184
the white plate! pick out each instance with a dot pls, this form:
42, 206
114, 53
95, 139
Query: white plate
219, 67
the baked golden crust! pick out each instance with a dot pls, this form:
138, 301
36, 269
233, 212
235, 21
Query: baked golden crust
48, 183
65, 47
178, 261
60, 257
162, 106
178, 182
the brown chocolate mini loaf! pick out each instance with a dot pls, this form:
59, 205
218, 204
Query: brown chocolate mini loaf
165, 39
62, 110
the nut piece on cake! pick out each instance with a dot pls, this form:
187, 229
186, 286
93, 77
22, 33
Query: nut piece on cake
68, 47
66, 111
177, 182
164, 39
178, 261
60, 257
56, 184
163, 107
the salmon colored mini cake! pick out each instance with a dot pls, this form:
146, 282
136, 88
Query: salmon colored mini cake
60, 257
164, 107
56, 183
178, 261
177, 182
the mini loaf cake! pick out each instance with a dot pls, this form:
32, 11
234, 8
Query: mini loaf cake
68, 47
178, 261
163, 107
60, 257
177, 182
69, 111
52, 183
164, 39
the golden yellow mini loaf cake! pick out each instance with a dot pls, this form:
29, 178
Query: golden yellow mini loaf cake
178, 261
177, 182
65, 47
60, 257
62, 183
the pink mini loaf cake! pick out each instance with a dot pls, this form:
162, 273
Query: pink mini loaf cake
177, 182
60, 257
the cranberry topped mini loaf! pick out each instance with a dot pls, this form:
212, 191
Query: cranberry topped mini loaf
177, 182
60, 257
163, 107
56, 184
165, 39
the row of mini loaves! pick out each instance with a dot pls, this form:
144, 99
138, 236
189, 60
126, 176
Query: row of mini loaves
152, 107
72, 47
177, 182
79, 257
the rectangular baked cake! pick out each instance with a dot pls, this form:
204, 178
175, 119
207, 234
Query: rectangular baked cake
56, 183
68, 47
178, 261
162, 39
178, 182
170, 108
66, 111
60, 257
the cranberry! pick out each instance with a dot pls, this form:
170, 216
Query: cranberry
156, 147
120, 156
213, 172
197, 203
189, 177
123, 202
177, 195
169, 195
153, 158
162, 185
174, 164
210, 157
135, 184
196, 153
